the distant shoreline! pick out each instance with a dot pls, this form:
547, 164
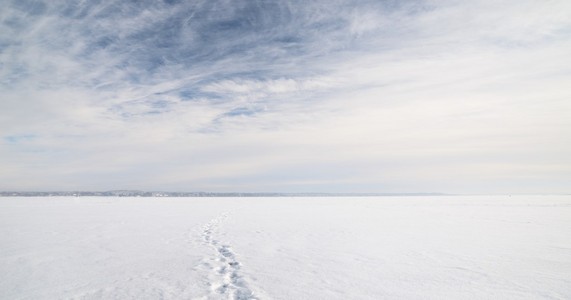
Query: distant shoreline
123, 193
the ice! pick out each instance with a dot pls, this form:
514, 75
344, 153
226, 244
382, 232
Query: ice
445, 247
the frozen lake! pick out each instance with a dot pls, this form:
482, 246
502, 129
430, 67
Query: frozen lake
477, 247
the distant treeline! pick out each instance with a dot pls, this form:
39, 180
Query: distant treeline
198, 194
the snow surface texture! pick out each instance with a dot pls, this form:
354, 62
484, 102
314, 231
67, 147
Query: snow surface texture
485, 247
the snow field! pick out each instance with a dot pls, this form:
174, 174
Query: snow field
449, 247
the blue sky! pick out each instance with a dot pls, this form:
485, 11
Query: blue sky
286, 96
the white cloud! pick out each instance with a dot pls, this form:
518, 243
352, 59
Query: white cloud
430, 96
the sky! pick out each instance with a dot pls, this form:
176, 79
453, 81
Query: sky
286, 96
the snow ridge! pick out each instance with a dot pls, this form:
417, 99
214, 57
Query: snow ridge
225, 279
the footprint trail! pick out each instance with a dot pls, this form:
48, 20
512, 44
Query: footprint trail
224, 279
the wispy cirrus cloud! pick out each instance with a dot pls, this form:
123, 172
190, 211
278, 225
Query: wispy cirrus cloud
251, 95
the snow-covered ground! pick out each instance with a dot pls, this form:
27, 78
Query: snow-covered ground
481, 247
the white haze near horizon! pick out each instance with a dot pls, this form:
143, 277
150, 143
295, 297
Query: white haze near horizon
288, 96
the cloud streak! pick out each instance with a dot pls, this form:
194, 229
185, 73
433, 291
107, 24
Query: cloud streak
345, 95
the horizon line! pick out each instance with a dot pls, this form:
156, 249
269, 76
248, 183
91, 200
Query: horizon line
158, 193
